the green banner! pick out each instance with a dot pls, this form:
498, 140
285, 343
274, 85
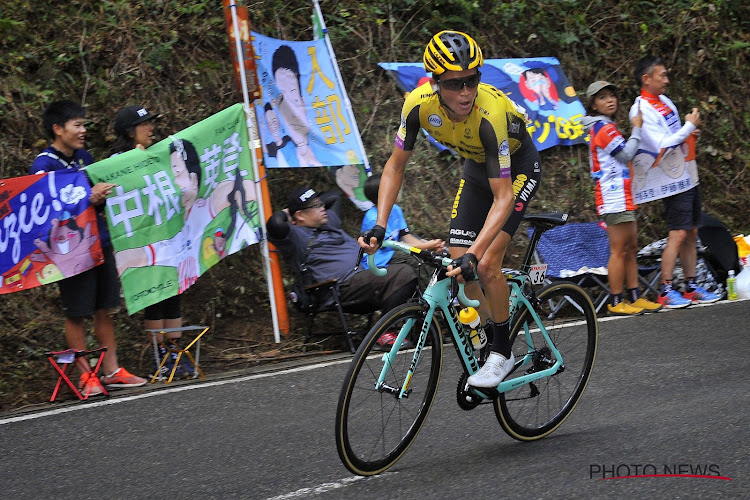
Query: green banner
180, 206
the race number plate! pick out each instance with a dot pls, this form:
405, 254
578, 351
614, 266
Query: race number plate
537, 273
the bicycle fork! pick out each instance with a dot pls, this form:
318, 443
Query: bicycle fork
403, 391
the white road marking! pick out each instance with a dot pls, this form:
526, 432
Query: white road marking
164, 392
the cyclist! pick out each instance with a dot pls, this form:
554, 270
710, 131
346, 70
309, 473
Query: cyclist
501, 173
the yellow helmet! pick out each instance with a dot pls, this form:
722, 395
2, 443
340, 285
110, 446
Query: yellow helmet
452, 51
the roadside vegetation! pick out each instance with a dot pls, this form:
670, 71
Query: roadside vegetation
173, 57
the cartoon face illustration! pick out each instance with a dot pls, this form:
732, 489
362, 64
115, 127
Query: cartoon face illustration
673, 163
347, 178
291, 105
187, 182
68, 246
543, 90
63, 238
49, 273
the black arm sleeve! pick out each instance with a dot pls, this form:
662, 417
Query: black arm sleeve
489, 141
278, 226
412, 128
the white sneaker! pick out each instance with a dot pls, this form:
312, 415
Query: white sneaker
493, 372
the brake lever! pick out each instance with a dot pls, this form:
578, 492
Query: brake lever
359, 258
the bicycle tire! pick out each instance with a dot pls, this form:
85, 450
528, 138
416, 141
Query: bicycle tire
374, 428
534, 410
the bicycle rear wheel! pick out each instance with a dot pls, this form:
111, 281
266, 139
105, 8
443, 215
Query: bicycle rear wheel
374, 427
534, 410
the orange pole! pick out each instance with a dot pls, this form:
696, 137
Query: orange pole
247, 59
278, 284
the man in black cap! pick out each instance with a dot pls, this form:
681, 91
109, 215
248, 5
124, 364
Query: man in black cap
308, 234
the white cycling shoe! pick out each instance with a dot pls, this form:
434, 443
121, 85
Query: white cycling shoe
493, 372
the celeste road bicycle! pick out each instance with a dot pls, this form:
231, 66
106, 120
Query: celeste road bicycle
388, 391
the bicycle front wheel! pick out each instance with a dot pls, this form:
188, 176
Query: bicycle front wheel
374, 426
534, 410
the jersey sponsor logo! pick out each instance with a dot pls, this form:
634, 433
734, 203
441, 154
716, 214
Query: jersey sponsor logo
519, 206
472, 149
527, 190
454, 212
435, 120
461, 232
514, 127
461, 241
518, 184
504, 149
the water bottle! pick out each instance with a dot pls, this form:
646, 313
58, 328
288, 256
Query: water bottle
731, 286
470, 319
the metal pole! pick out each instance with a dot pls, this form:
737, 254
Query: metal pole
250, 121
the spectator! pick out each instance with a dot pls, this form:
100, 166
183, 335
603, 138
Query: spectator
396, 230
308, 234
134, 127
95, 292
609, 156
662, 130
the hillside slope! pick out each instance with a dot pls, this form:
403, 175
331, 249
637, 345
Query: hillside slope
172, 56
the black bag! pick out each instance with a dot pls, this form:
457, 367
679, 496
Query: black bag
721, 250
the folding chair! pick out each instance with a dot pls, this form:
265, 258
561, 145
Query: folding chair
650, 277
577, 252
67, 359
179, 352
310, 299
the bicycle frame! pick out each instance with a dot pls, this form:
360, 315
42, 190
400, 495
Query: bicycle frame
436, 296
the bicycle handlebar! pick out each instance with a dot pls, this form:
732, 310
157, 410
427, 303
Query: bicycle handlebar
425, 256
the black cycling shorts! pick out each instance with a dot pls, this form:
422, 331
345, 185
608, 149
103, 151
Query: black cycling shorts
474, 197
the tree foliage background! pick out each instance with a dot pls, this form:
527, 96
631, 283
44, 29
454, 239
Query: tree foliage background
173, 57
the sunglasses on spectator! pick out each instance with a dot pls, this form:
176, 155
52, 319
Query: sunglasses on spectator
456, 84
317, 204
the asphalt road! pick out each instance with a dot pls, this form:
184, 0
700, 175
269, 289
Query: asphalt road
669, 394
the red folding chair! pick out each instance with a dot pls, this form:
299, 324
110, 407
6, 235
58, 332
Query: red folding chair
67, 359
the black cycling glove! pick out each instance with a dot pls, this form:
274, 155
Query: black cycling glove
468, 264
377, 232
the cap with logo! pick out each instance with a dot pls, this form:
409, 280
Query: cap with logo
301, 198
130, 117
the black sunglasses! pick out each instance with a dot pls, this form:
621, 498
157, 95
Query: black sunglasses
317, 204
456, 84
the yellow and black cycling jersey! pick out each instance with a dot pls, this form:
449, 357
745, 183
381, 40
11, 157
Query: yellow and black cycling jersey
494, 130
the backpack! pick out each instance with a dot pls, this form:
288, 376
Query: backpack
721, 250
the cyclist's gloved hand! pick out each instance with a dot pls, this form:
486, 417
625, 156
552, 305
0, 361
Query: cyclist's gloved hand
468, 264
377, 232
